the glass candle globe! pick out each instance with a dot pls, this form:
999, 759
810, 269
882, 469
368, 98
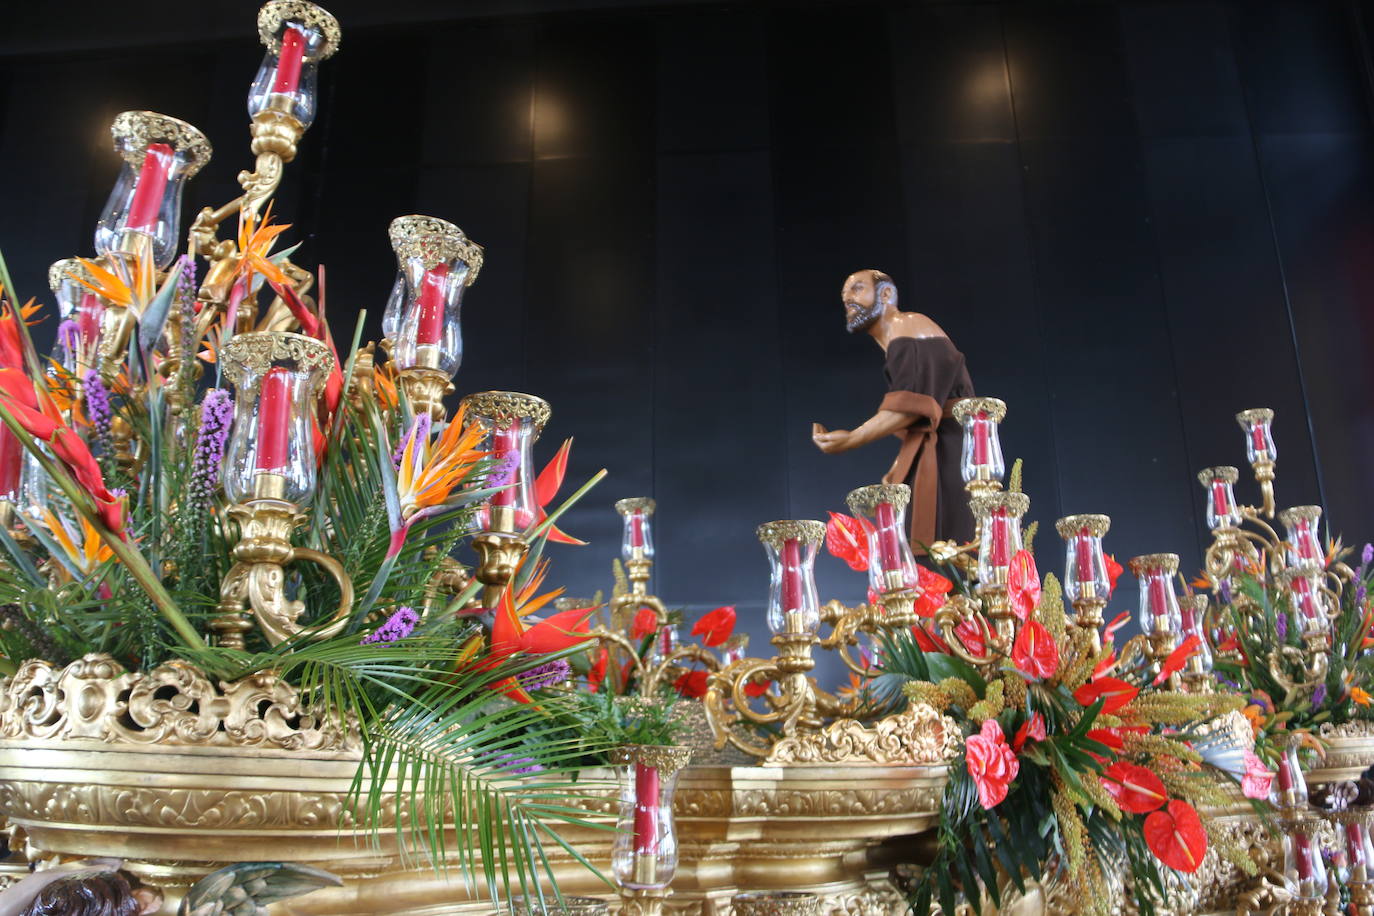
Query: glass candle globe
422, 320
1219, 483
1085, 566
1259, 434
142, 216
637, 538
891, 567
298, 35
981, 454
271, 451
1159, 612
511, 423
793, 606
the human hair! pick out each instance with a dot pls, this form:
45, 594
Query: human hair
105, 894
880, 280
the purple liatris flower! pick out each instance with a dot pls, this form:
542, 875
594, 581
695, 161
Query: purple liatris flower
98, 405
1318, 696
216, 413
397, 627
68, 336
502, 473
1367, 555
1281, 624
1227, 682
419, 434
545, 675
516, 766
1225, 591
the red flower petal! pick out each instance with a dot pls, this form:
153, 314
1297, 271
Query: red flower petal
691, 684
1119, 621
846, 538
1134, 788
1033, 728
757, 689
1176, 836
1117, 693
1113, 573
646, 623
1177, 659
597, 673
991, 764
1034, 652
715, 627
551, 478
934, 588
928, 642
1023, 584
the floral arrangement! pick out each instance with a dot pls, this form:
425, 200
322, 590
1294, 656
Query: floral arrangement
1079, 764
1257, 635
120, 534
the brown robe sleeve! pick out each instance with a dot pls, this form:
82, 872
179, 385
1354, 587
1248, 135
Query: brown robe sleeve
925, 376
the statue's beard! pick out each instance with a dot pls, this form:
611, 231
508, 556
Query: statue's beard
861, 319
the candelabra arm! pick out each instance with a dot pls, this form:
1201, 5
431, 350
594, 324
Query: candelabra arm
956, 611
727, 704
654, 678
847, 623
1313, 660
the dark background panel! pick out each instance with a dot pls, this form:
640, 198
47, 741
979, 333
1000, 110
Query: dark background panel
1134, 218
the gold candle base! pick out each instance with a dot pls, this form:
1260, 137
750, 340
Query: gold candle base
499, 554
425, 389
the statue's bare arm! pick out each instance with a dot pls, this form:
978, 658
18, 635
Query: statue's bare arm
883, 423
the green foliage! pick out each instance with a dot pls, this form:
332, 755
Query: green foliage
613, 720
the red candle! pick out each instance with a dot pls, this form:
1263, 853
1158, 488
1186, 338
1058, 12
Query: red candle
150, 188
1001, 539
88, 318
1307, 543
1159, 594
1257, 437
429, 329
1083, 556
636, 529
1221, 506
1304, 853
11, 462
1354, 845
791, 576
289, 61
1285, 775
646, 810
1302, 589
503, 448
980, 438
889, 543
274, 419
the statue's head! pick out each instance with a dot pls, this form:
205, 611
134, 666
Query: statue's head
102, 894
866, 295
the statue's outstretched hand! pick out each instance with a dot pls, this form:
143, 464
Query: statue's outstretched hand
831, 441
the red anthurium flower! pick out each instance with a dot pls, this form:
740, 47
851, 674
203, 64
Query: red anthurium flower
1176, 836
1107, 736
991, 763
1023, 584
1033, 729
1035, 653
757, 688
646, 623
597, 673
1134, 788
1119, 621
1113, 573
934, 588
691, 684
1177, 659
846, 537
971, 635
546, 488
928, 642
715, 627
1116, 693
1106, 665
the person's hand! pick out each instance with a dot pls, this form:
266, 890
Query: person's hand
831, 441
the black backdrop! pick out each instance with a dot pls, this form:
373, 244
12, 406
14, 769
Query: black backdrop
1135, 219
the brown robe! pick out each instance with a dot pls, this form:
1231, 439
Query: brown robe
925, 376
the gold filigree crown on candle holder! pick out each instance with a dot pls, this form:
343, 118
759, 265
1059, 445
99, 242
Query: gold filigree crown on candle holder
435, 241
776, 533
275, 14
134, 130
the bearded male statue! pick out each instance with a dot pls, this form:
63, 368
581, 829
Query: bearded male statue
925, 377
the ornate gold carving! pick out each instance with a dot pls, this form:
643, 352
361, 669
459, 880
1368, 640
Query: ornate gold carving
864, 500
435, 241
797, 803
502, 408
642, 902
1070, 525
134, 130
257, 351
174, 705
1248, 418
1168, 562
67, 269
425, 389
775, 903
775, 533
635, 503
985, 504
1225, 472
1300, 513
995, 408
920, 735
277, 13
667, 759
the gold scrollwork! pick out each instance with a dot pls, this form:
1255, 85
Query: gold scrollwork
502, 408
277, 13
920, 735
807, 531
258, 350
134, 130
435, 241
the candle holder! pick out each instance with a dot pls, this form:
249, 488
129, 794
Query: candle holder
81, 311
981, 462
645, 854
1086, 582
999, 516
282, 100
512, 422
1303, 545
1313, 606
421, 327
1160, 619
269, 476
1197, 670
794, 618
637, 553
1261, 452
